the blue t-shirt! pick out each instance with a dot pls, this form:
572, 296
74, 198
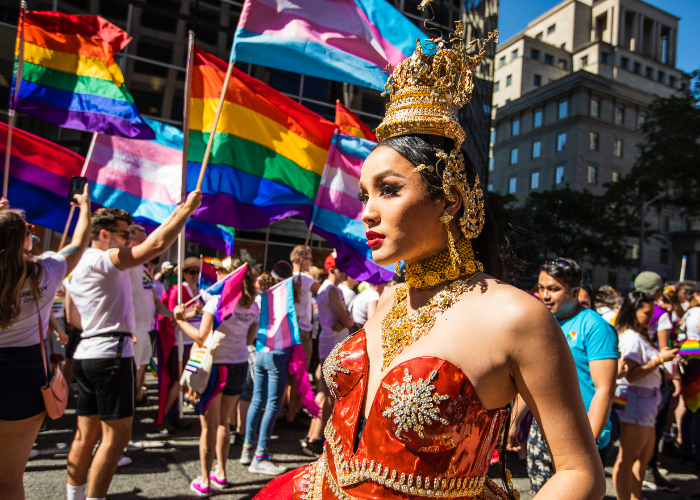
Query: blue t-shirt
590, 338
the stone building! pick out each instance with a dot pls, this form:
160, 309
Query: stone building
570, 94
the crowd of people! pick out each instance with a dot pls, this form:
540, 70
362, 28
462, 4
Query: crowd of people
112, 310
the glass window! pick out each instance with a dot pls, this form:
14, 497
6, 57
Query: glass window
536, 146
535, 54
148, 103
512, 185
595, 108
537, 80
561, 142
514, 156
592, 177
672, 81
637, 68
665, 223
515, 54
604, 57
563, 109
649, 73
617, 148
559, 175
492, 164
502, 61
490, 187
593, 141
534, 180
515, 127
157, 21
663, 256
156, 53
562, 64
509, 80
537, 118
619, 116
493, 136
624, 62
496, 86
584, 61
551, 29
563, 46
641, 120
660, 76
615, 176
538, 36
549, 59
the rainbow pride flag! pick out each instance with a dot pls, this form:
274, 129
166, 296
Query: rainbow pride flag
278, 327
344, 40
619, 402
350, 124
690, 348
143, 178
68, 75
268, 153
337, 213
207, 273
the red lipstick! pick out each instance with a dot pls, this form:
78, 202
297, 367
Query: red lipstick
374, 238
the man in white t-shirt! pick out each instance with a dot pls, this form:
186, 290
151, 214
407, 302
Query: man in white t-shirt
346, 287
103, 362
365, 304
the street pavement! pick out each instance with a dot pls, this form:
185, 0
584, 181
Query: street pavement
166, 464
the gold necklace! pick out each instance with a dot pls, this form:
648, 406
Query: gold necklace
441, 267
399, 330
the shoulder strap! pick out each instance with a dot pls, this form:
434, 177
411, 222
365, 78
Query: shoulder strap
35, 287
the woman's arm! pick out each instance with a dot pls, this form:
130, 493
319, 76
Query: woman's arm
544, 373
205, 327
81, 236
635, 371
252, 333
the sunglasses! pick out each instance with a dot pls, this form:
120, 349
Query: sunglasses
30, 228
124, 234
190, 271
558, 263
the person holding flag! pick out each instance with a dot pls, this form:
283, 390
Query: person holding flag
229, 323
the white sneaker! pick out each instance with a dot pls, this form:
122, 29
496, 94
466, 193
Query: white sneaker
134, 446
123, 460
246, 456
34, 453
267, 467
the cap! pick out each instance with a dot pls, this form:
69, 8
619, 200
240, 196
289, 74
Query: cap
166, 265
649, 282
330, 262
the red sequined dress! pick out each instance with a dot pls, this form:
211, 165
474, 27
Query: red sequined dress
427, 435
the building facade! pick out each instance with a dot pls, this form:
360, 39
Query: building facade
571, 92
154, 70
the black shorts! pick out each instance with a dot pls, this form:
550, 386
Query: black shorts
73, 340
235, 379
22, 376
111, 396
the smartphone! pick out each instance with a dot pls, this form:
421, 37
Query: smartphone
77, 184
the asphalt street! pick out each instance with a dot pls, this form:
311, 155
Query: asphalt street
165, 465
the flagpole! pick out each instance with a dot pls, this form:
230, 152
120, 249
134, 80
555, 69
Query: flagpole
207, 152
82, 174
183, 197
17, 82
202, 292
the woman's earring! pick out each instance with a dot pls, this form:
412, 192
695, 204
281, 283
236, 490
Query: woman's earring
453, 271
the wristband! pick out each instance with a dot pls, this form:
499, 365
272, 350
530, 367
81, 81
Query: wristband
661, 360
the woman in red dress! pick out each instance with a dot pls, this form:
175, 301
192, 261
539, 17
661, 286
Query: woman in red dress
421, 392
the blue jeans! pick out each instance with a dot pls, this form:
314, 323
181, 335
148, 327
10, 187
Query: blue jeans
270, 381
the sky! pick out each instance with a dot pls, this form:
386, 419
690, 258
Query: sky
514, 15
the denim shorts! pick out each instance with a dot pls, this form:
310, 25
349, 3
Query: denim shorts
637, 405
22, 376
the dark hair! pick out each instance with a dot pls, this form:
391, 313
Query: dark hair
106, 218
136, 228
564, 270
248, 292
590, 291
422, 149
627, 317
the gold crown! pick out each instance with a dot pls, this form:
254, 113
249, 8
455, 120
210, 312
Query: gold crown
426, 90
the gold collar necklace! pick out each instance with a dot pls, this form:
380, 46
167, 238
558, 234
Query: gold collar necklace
442, 267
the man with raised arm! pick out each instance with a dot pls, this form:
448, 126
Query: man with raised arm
103, 362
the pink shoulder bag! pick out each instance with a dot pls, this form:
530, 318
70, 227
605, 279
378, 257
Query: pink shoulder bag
55, 392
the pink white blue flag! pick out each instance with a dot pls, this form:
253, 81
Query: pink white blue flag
344, 40
231, 290
143, 178
337, 215
278, 328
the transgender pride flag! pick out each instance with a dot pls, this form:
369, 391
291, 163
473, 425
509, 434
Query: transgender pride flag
143, 178
278, 328
337, 213
344, 40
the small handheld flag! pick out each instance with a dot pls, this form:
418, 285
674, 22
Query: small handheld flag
207, 273
231, 291
278, 328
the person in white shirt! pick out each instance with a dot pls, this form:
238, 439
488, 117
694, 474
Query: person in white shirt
103, 361
346, 287
230, 367
365, 304
28, 286
637, 395
335, 323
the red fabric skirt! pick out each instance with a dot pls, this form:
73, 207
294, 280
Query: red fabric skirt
280, 488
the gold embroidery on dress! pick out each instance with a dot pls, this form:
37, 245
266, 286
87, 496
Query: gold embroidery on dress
414, 404
332, 365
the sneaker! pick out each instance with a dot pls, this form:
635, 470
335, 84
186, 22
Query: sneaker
267, 467
312, 448
199, 490
34, 453
246, 455
134, 446
656, 482
123, 460
217, 483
